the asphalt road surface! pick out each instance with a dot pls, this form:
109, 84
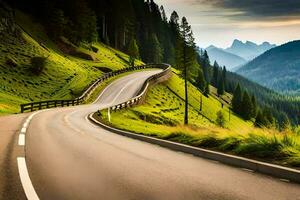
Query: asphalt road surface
70, 158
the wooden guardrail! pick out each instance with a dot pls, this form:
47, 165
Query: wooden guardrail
63, 103
142, 93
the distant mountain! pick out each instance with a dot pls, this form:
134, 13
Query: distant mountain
248, 50
224, 58
278, 68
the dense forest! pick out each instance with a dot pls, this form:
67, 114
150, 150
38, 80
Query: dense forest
142, 29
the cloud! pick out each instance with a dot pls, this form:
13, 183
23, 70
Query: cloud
248, 9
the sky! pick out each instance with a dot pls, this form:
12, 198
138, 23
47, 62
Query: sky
219, 22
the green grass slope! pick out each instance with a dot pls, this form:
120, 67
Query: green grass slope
64, 76
164, 110
161, 116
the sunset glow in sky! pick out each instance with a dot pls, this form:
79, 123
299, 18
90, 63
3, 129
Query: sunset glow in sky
219, 22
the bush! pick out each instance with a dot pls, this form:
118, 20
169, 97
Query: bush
37, 65
220, 119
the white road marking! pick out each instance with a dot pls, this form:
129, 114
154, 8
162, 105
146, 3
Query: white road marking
247, 170
119, 93
23, 130
21, 141
284, 180
25, 125
23, 172
25, 180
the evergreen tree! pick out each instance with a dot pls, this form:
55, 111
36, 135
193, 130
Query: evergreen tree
270, 121
206, 90
57, 23
246, 109
260, 120
201, 84
205, 66
254, 106
163, 14
224, 71
215, 78
220, 89
237, 100
188, 56
155, 51
133, 52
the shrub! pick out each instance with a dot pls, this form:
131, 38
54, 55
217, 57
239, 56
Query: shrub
220, 119
94, 49
37, 65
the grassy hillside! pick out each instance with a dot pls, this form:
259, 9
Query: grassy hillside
162, 114
164, 108
64, 76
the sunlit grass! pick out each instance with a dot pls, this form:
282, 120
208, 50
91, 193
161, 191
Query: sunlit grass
161, 116
64, 76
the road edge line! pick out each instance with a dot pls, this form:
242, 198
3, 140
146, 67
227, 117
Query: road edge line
25, 179
237, 161
21, 162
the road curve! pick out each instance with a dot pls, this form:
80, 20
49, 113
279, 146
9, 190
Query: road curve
68, 157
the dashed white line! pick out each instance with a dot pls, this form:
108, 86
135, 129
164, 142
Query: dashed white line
23, 172
21, 141
25, 180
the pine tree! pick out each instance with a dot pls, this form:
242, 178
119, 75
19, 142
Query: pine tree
187, 57
270, 121
260, 121
254, 106
201, 84
207, 90
205, 66
215, 78
237, 100
155, 51
246, 109
221, 90
56, 24
163, 14
224, 76
133, 52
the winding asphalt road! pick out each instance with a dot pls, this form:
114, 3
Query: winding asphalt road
68, 157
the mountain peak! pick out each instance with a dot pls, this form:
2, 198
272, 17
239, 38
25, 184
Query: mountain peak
236, 42
211, 47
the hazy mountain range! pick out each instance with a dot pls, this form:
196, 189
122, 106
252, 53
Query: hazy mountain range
249, 50
278, 68
238, 54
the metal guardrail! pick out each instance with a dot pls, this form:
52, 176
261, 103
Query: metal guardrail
141, 94
63, 103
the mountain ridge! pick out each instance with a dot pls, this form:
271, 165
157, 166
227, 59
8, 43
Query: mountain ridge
277, 68
224, 58
248, 50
